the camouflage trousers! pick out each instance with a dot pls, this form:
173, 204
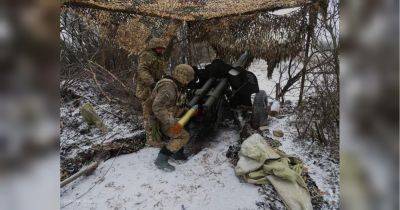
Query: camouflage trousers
160, 136
173, 142
148, 121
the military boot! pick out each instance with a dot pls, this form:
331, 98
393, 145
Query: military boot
179, 155
162, 160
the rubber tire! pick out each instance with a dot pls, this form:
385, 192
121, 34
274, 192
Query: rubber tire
259, 116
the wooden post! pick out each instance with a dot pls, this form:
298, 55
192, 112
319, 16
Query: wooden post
277, 90
85, 171
185, 43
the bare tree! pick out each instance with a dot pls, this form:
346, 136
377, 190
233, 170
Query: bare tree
85, 54
318, 116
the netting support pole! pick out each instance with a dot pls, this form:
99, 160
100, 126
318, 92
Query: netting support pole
310, 31
185, 43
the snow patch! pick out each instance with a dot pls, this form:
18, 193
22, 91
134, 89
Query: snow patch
285, 11
206, 181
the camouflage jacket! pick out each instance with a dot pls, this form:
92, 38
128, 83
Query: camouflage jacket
164, 99
150, 70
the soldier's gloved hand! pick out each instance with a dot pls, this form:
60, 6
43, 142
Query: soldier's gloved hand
176, 128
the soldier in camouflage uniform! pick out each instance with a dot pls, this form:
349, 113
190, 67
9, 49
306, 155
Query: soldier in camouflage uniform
165, 99
152, 67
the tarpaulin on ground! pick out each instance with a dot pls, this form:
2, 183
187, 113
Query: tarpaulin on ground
259, 163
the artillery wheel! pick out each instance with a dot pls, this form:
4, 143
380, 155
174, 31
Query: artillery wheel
259, 115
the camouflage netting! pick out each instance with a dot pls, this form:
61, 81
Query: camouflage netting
187, 10
217, 25
267, 36
130, 31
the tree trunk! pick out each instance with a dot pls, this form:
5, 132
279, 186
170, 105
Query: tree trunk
310, 31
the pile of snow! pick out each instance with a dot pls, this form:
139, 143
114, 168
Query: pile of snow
206, 181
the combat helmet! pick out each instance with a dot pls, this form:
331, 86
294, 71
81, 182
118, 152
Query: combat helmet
183, 73
156, 42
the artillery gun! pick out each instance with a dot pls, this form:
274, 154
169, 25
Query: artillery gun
220, 91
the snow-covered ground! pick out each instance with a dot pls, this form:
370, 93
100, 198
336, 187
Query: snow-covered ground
205, 181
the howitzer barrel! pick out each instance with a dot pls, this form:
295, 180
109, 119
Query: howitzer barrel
237, 77
216, 93
201, 92
243, 60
